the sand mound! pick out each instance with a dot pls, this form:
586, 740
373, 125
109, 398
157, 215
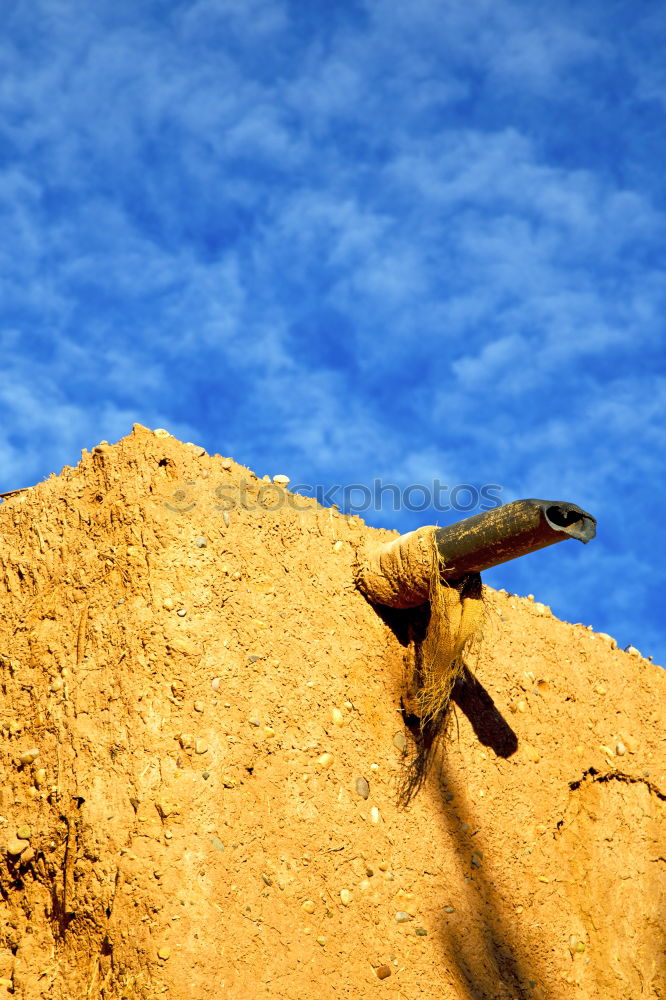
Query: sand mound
205, 764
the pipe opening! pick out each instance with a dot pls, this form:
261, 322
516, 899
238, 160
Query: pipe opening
563, 518
572, 520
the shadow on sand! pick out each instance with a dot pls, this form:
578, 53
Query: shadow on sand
477, 935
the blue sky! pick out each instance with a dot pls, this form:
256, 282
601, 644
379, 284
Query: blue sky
351, 240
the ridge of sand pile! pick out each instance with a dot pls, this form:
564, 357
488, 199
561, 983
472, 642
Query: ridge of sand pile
203, 699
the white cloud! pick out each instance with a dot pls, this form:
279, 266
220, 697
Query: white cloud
515, 44
215, 18
361, 241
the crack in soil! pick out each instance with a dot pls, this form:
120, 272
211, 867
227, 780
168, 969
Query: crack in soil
629, 779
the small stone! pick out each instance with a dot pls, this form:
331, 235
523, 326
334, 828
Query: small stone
576, 945
16, 847
522, 706
532, 754
629, 742
228, 781
322, 939
400, 742
40, 777
164, 953
216, 683
402, 917
337, 717
337, 546
600, 689
281, 480
607, 750
607, 638
362, 787
181, 612
186, 741
420, 932
383, 971
254, 722
267, 880
160, 432
168, 604
345, 897
226, 463
308, 906
205, 775
202, 542
28, 756
540, 609
477, 860
23, 833
633, 651
269, 731
325, 760
449, 909
374, 815
200, 746
383, 866
199, 706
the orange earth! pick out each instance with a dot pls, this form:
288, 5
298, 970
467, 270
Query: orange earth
190, 695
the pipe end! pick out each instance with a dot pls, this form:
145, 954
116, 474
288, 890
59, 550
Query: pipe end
570, 519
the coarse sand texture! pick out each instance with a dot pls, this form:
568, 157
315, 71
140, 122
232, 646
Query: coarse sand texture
205, 751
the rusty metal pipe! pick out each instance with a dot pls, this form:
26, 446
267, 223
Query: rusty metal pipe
508, 532
398, 573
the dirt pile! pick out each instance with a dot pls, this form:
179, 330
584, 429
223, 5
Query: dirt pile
205, 765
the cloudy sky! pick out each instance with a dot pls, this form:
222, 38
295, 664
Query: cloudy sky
351, 240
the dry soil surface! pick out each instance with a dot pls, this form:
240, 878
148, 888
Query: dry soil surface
206, 771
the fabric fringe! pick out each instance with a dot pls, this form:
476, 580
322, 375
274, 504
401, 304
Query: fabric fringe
452, 633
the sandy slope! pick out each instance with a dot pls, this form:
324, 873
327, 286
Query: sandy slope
204, 696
